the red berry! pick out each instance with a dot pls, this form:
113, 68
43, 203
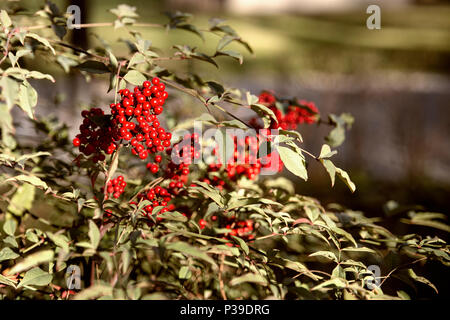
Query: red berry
76, 142
154, 168
161, 86
126, 103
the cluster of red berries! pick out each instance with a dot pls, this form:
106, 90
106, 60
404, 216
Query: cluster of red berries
135, 117
115, 186
95, 137
176, 173
303, 112
241, 228
159, 197
243, 162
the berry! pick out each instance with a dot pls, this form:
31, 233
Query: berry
76, 142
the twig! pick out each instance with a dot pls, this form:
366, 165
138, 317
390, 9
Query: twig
400, 266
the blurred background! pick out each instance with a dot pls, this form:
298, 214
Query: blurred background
394, 81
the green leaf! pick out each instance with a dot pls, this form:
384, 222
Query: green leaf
280, 183
41, 40
336, 282
32, 155
345, 234
124, 10
22, 199
262, 110
172, 215
32, 260
192, 251
10, 88
213, 193
346, 178
94, 291
94, 234
417, 278
204, 57
4, 19
362, 249
33, 180
5, 280
336, 136
225, 41
12, 58
135, 77
39, 75
293, 161
31, 236
338, 272
326, 152
112, 59
242, 244
10, 240
291, 133
6, 127
184, 273
7, 254
330, 168
60, 30
93, 66
27, 99
137, 58
233, 54
191, 28
60, 240
326, 254
10, 227
35, 277
249, 277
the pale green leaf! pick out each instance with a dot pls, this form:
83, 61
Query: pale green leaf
35, 277
293, 161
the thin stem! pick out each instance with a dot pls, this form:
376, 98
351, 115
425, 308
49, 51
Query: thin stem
63, 44
396, 268
309, 154
10, 34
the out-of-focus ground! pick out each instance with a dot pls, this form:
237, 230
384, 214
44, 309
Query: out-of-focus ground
395, 81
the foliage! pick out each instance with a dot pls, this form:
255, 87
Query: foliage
54, 212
